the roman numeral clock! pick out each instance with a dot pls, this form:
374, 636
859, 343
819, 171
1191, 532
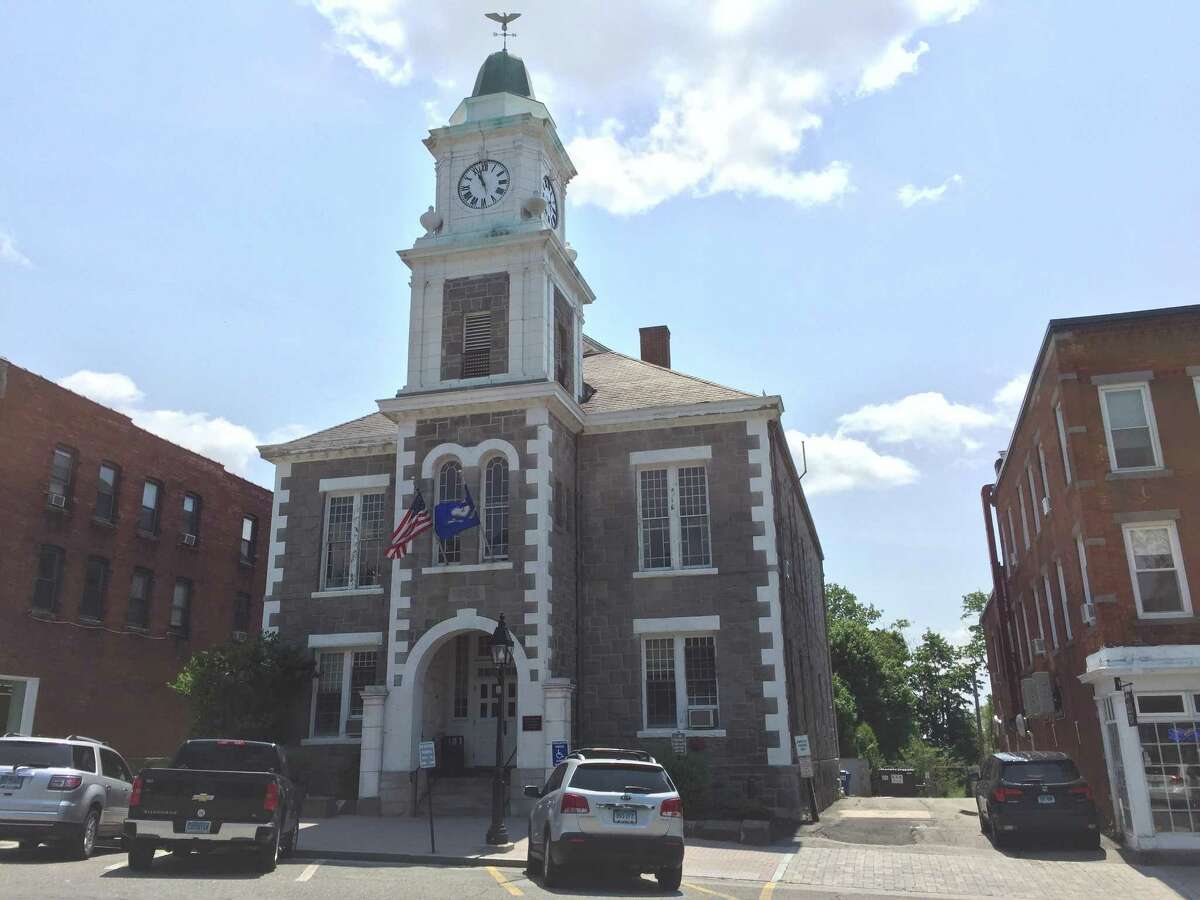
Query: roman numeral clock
483, 184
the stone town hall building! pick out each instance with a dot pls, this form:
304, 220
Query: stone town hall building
643, 531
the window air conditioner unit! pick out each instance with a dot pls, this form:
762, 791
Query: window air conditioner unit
1087, 612
1045, 506
58, 501
1022, 727
1039, 646
1012, 558
701, 718
189, 540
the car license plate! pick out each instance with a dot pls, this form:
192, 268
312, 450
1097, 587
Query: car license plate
11, 782
624, 816
197, 826
1046, 799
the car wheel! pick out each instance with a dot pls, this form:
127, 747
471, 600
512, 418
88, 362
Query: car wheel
533, 865
1002, 840
985, 824
84, 844
141, 855
668, 879
268, 855
552, 875
287, 846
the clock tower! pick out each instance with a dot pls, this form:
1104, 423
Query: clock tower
496, 296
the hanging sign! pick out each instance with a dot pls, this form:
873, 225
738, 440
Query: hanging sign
427, 754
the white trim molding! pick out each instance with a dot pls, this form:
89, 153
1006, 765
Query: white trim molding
537, 538
669, 455
28, 703
369, 590
354, 483
689, 732
671, 573
677, 625
470, 457
402, 569
275, 548
473, 567
346, 639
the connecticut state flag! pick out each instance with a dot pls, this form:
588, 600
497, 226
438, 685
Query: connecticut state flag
451, 517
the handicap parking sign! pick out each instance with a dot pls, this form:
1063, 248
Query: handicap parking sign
558, 751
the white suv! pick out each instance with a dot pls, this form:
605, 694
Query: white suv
614, 807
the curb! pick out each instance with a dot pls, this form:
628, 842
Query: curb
424, 859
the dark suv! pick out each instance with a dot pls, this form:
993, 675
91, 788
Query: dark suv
1028, 792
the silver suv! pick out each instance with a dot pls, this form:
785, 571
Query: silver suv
70, 791
614, 807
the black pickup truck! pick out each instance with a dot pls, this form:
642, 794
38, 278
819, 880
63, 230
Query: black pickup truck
217, 794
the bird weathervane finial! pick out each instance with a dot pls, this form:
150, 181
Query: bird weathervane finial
503, 18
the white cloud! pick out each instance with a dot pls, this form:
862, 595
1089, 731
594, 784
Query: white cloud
927, 418
10, 254
1009, 398
232, 445
693, 101
840, 463
910, 195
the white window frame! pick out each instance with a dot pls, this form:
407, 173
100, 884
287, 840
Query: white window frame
1050, 608
29, 704
1028, 645
1152, 422
1185, 597
485, 555
342, 737
1012, 537
1024, 514
1045, 480
1033, 498
682, 704
355, 528
1081, 551
1037, 608
1062, 596
1196, 384
1062, 441
1186, 713
673, 514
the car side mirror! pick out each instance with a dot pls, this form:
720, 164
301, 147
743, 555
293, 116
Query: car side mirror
532, 790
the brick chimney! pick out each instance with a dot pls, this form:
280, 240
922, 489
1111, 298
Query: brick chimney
656, 345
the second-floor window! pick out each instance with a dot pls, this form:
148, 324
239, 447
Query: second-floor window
1156, 568
106, 493
355, 538
95, 587
1129, 427
47, 582
249, 542
450, 487
495, 509
673, 521
140, 588
62, 471
191, 516
181, 607
148, 515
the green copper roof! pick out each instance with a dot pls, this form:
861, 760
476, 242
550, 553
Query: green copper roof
503, 73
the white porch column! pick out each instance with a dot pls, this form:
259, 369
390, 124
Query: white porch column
371, 751
556, 719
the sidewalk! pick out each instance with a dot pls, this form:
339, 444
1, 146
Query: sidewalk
459, 840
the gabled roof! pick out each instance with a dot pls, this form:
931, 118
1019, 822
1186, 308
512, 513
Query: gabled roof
623, 383
373, 428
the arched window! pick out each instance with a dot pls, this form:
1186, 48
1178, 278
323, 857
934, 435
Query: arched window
450, 487
495, 510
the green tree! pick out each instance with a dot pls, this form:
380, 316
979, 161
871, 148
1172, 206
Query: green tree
245, 689
942, 682
975, 656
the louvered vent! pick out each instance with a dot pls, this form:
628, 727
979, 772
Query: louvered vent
477, 345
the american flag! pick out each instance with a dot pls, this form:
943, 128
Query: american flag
415, 522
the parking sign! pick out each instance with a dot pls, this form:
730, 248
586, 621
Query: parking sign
427, 755
558, 751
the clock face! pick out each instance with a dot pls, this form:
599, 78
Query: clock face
551, 199
483, 184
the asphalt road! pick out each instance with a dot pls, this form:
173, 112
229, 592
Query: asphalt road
43, 875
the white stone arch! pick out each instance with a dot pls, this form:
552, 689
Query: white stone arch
405, 705
470, 456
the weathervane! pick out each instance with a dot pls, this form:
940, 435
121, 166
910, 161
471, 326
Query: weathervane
503, 19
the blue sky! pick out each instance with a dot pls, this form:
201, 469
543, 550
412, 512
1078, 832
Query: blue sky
869, 208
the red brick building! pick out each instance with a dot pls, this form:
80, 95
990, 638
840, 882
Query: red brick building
1093, 526
121, 555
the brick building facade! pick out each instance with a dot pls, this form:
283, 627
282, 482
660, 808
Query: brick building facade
102, 597
643, 532
1094, 525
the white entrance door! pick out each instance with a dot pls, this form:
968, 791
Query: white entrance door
477, 704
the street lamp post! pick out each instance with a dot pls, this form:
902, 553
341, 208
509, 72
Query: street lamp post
502, 645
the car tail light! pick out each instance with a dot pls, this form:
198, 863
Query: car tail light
1004, 794
574, 803
135, 796
64, 782
672, 808
271, 798
1081, 792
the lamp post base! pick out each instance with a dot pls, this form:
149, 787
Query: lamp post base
497, 834
498, 837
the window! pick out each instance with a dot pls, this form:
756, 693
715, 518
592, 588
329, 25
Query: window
1024, 516
1129, 427
562, 354
1156, 568
1170, 743
1062, 596
181, 607
1012, 536
355, 533
477, 345
241, 612
617, 778
1062, 442
1033, 499
1160, 704
337, 700
62, 470
1037, 608
495, 510
191, 515
249, 543
112, 766
140, 589
671, 702
450, 487
95, 586
48, 580
106, 493
1045, 480
1028, 645
1050, 609
673, 518
462, 675
148, 516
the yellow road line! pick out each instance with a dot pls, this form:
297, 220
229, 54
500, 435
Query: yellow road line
511, 888
704, 890
767, 891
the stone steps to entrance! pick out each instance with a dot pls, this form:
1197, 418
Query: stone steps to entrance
462, 795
